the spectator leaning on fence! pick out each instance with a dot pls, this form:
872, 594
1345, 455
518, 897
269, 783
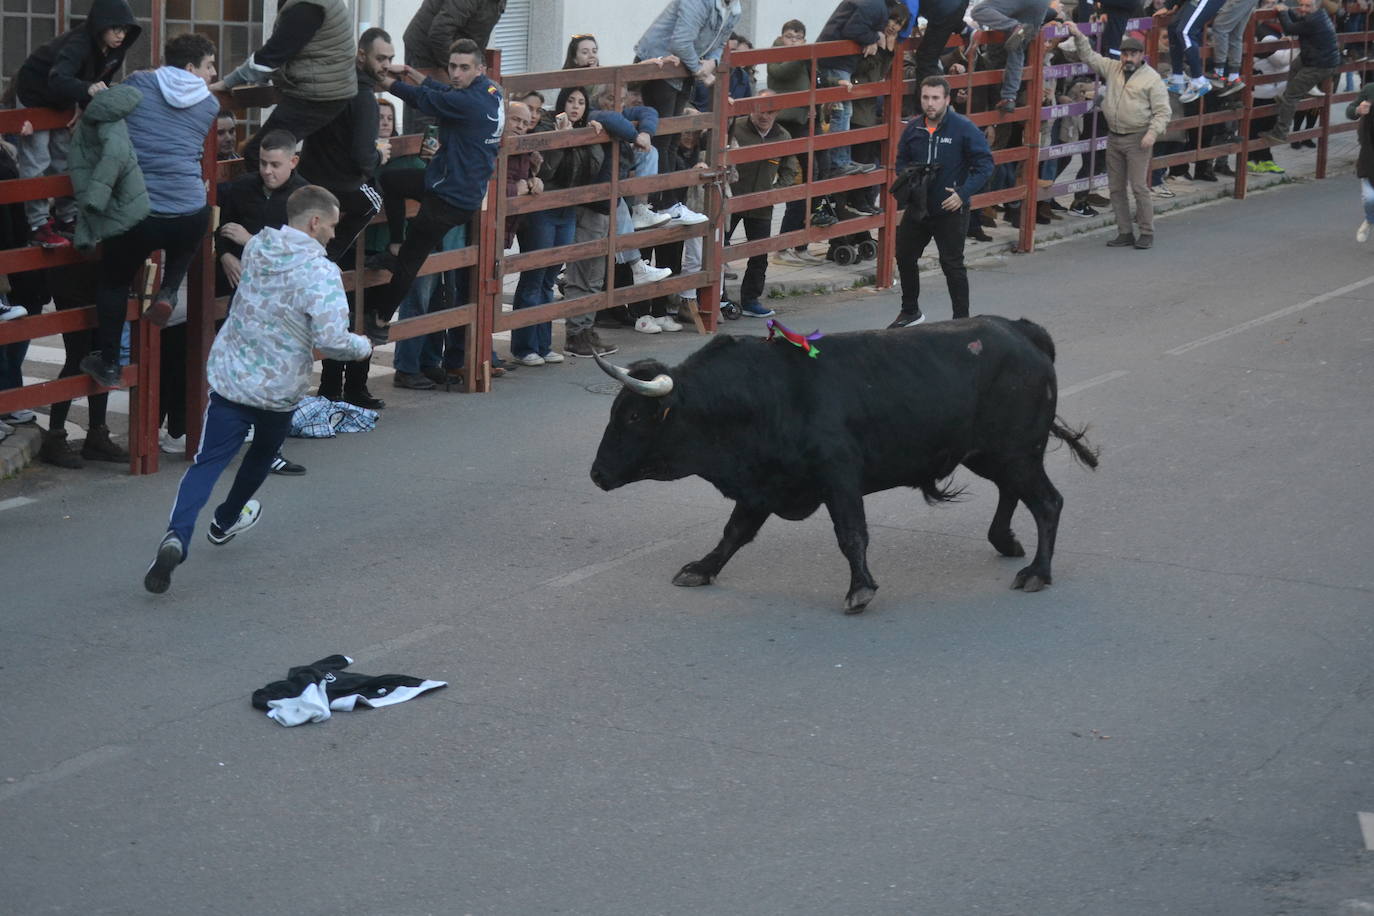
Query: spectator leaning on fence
1020, 19
957, 162
759, 175
1228, 44
1189, 18
309, 59
862, 22
436, 25
66, 73
167, 128
471, 116
1113, 14
290, 303
1364, 165
943, 19
1136, 108
1318, 58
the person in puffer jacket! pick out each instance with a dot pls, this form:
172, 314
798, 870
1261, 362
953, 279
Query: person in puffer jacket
111, 197
290, 303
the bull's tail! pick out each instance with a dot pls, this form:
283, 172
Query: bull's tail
1037, 335
936, 492
1077, 441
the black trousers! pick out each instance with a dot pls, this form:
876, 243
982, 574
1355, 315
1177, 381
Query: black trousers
669, 103
178, 237
358, 204
436, 217
296, 116
751, 287
948, 231
933, 41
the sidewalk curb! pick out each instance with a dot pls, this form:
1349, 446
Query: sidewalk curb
19, 449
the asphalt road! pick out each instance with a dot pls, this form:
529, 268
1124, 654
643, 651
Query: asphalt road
1180, 724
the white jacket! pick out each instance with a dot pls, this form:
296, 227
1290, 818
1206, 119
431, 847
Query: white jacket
290, 302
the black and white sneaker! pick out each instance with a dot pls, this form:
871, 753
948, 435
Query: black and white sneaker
158, 578
1083, 209
248, 517
280, 464
907, 319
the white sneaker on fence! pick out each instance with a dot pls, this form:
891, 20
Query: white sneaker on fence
646, 218
682, 216
643, 273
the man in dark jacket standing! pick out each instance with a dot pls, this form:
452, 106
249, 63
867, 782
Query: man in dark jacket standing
66, 73
1318, 58
961, 163
472, 117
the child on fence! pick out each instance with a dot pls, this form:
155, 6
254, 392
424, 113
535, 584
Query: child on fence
65, 73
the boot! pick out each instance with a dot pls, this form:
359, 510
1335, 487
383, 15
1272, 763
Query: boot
988, 217
1042, 212
55, 450
99, 447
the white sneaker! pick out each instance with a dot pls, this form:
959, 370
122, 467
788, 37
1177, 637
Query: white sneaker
172, 445
19, 417
646, 218
8, 312
1362, 233
681, 216
646, 325
529, 359
248, 517
667, 323
643, 273
1315, 92
553, 356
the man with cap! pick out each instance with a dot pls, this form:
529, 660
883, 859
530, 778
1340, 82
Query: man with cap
1136, 108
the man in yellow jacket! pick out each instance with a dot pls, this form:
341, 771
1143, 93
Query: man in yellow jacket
1136, 109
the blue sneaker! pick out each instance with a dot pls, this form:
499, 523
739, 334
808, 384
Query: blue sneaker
753, 309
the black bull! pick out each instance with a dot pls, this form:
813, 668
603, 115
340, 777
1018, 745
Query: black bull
781, 433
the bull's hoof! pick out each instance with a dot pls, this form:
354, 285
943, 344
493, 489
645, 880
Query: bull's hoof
858, 599
691, 575
1029, 580
1008, 546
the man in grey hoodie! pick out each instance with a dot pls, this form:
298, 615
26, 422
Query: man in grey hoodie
290, 303
167, 128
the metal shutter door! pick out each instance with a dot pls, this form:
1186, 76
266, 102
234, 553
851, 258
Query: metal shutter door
512, 36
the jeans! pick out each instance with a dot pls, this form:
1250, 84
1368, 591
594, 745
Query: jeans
414, 353
756, 272
179, 237
948, 230
226, 423
538, 231
1367, 198
839, 119
426, 231
1185, 35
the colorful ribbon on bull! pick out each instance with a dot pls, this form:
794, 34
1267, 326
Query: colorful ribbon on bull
806, 342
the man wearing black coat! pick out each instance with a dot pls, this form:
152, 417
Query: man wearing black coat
1318, 57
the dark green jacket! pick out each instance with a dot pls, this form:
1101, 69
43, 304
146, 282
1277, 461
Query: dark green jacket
111, 197
764, 174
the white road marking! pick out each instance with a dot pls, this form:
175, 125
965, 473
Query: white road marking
15, 502
1096, 380
1367, 828
1272, 316
70, 767
586, 572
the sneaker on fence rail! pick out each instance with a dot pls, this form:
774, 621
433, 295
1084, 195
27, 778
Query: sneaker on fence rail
646, 325
10, 312
1082, 208
1234, 84
667, 323
47, 236
248, 517
1270, 138
1177, 83
286, 467
680, 215
1006, 106
169, 556
23, 417
107, 375
755, 309
1362, 233
644, 273
645, 217
906, 318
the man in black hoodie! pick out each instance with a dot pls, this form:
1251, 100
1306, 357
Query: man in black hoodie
64, 74
343, 157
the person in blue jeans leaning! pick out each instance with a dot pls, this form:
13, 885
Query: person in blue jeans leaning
861, 21
290, 303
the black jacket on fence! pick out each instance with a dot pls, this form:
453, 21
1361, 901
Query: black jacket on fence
1316, 34
853, 20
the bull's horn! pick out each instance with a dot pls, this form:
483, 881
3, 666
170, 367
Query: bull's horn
660, 387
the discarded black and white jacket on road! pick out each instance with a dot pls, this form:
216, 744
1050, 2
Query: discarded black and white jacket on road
311, 691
